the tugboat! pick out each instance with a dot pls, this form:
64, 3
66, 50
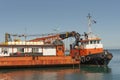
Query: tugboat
91, 49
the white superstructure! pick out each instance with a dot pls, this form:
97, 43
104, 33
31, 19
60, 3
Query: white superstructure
12, 47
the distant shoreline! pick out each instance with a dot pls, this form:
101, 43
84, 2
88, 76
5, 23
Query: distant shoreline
112, 49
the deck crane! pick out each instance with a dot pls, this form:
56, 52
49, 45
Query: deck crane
52, 38
56, 38
8, 36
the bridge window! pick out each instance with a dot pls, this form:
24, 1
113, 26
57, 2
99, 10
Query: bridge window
94, 41
91, 42
98, 42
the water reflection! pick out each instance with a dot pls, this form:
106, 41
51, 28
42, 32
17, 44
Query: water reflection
36, 74
84, 73
96, 69
96, 73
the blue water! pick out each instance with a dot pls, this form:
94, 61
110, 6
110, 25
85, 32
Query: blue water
112, 72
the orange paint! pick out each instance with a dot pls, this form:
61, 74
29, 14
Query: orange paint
43, 60
85, 52
60, 50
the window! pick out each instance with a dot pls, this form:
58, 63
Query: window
98, 42
4, 50
91, 42
94, 41
35, 50
20, 50
59, 48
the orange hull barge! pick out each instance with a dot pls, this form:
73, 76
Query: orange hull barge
34, 54
37, 61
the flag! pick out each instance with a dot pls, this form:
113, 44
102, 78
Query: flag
94, 21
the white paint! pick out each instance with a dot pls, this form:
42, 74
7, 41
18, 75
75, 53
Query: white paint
91, 46
49, 51
14, 50
45, 50
40, 50
25, 43
2, 52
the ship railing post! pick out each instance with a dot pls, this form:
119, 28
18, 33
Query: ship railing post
73, 63
79, 61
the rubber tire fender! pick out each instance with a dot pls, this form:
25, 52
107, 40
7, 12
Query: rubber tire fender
88, 58
82, 59
102, 56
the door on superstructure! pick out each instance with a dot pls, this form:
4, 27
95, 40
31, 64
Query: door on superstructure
60, 50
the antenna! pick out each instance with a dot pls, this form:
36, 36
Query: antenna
25, 34
89, 23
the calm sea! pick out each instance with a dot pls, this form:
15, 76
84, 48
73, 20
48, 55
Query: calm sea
112, 72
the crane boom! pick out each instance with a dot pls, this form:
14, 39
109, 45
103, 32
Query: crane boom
46, 38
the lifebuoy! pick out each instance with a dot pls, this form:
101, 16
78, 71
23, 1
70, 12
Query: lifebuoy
87, 58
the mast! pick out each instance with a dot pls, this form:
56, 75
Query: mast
89, 23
